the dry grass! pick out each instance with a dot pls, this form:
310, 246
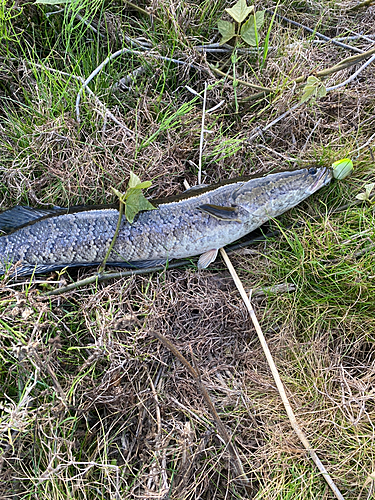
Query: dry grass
93, 406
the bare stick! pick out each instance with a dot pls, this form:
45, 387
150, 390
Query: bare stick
353, 76
265, 90
117, 54
220, 426
310, 135
345, 63
296, 427
260, 131
201, 142
314, 32
365, 145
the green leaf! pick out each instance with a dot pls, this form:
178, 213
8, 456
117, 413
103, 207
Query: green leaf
135, 203
132, 204
227, 31
366, 195
52, 2
248, 33
144, 204
143, 185
314, 88
362, 196
240, 11
342, 168
134, 180
133, 199
369, 188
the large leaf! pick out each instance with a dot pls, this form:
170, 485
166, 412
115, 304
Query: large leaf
227, 31
240, 11
248, 33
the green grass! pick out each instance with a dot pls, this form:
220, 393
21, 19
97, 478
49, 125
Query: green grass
78, 415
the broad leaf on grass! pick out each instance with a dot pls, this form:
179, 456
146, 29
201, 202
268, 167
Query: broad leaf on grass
135, 182
248, 33
240, 11
314, 88
366, 195
133, 198
342, 168
227, 31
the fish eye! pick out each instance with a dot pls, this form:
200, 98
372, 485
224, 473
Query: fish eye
312, 170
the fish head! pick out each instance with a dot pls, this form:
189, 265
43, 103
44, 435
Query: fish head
276, 193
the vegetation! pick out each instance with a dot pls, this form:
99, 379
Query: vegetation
93, 406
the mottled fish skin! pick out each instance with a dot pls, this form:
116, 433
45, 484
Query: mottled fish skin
175, 230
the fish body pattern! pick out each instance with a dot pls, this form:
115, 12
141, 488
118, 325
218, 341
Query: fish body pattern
199, 223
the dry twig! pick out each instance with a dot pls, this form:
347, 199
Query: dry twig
276, 376
222, 431
314, 32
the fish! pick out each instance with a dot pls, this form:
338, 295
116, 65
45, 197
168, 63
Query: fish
198, 222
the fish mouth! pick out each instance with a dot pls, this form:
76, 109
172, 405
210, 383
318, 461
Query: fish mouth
324, 177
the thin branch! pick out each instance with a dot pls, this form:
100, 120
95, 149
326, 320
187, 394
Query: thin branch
258, 131
105, 110
296, 427
264, 90
310, 135
353, 76
225, 47
117, 54
220, 426
314, 32
365, 145
345, 63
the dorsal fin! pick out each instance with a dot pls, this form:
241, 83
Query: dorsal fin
18, 216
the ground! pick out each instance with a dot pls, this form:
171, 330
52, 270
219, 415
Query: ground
94, 406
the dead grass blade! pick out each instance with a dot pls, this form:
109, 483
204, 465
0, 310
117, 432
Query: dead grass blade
194, 372
277, 378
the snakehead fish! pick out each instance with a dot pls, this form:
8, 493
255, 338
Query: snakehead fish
198, 223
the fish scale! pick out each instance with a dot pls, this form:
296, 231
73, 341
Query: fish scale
199, 223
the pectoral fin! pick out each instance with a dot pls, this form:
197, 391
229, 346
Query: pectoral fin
206, 258
221, 213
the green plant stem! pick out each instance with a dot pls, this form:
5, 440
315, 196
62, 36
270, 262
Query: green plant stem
120, 213
264, 90
345, 63
235, 83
